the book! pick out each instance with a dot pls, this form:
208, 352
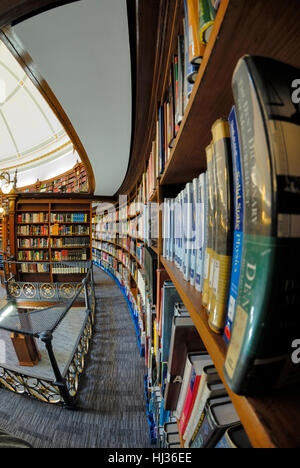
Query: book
234, 438
238, 224
267, 313
214, 217
211, 388
198, 364
201, 212
218, 418
210, 224
194, 36
173, 438
184, 339
169, 296
161, 277
223, 226
193, 233
150, 266
206, 20
188, 66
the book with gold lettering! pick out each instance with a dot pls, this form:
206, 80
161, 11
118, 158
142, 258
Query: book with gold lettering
223, 226
267, 313
210, 224
238, 224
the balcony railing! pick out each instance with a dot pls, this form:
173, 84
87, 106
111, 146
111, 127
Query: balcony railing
43, 324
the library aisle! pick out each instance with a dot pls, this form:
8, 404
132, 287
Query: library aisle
111, 407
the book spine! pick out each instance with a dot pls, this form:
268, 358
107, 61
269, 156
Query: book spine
224, 226
206, 429
206, 20
259, 353
188, 66
238, 224
210, 225
194, 36
199, 231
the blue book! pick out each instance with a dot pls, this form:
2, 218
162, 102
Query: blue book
238, 224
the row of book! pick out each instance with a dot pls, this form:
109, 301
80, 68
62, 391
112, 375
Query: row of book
42, 217
57, 269
34, 268
71, 255
70, 242
198, 228
69, 217
41, 242
187, 394
28, 230
243, 216
33, 255
77, 268
69, 230
175, 391
198, 21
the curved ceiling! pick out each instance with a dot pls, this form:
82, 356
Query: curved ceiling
31, 135
82, 51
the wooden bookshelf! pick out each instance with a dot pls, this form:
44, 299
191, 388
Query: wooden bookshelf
264, 418
51, 230
73, 181
242, 27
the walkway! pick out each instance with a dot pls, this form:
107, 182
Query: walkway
111, 411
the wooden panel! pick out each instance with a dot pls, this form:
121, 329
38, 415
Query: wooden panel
14, 11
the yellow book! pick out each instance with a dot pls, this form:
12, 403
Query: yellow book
220, 280
194, 32
209, 247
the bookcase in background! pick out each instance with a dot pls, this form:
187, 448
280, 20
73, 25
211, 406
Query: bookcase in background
73, 181
51, 230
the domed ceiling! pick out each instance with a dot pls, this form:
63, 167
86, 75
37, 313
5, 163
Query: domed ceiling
82, 51
32, 138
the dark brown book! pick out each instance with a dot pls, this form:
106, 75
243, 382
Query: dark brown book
161, 276
184, 339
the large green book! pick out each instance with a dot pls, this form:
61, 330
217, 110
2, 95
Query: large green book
259, 356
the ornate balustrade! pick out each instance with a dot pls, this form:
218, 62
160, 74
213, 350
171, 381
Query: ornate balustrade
43, 324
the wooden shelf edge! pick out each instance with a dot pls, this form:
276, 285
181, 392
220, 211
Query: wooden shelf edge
255, 427
165, 179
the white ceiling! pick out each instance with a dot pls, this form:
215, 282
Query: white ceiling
82, 50
31, 136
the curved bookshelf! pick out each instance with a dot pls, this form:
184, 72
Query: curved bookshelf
241, 27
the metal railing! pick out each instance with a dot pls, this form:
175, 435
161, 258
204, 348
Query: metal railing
42, 325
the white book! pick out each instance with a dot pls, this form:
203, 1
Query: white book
191, 357
193, 231
209, 375
188, 230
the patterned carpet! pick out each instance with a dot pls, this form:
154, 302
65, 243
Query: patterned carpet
111, 411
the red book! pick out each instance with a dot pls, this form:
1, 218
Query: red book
198, 363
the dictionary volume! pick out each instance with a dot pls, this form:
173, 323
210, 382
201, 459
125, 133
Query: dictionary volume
267, 312
238, 224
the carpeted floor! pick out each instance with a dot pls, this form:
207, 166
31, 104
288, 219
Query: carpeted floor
111, 411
